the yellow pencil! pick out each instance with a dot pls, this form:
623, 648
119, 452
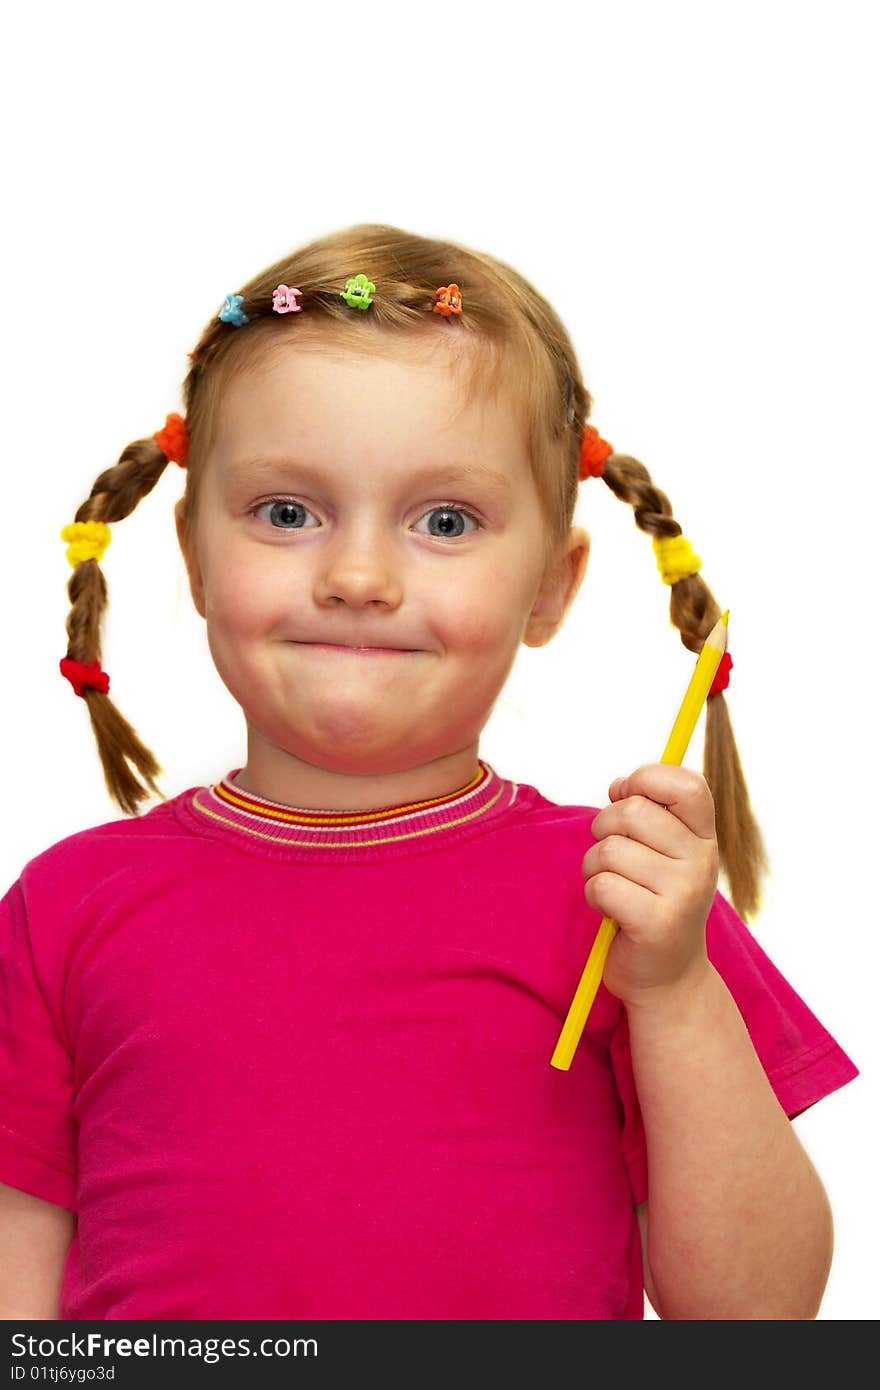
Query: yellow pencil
708, 662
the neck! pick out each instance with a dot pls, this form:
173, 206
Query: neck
276, 775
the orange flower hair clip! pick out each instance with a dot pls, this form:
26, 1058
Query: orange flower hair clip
448, 299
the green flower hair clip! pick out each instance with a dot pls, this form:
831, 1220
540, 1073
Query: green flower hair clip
358, 292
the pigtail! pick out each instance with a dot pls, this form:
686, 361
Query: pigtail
115, 494
694, 611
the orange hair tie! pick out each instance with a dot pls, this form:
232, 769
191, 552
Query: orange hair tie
594, 452
173, 439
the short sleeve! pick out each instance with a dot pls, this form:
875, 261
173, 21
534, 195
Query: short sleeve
803, 1062
37, 1130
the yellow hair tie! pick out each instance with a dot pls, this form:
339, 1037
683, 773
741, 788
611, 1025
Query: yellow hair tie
89, 540
675, 558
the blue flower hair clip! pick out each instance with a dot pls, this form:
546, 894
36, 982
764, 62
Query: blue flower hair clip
232, 311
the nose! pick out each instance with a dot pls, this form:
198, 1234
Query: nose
357, 569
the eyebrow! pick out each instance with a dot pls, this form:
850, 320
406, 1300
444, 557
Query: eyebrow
474, 474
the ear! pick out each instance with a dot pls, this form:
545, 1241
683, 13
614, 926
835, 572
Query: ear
196, 587
558, 589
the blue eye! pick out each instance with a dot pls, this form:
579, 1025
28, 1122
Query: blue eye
450, 509
285, 510
285, 507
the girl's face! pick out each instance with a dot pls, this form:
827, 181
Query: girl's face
326, 517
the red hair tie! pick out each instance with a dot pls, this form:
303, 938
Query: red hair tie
82, 673
594, 452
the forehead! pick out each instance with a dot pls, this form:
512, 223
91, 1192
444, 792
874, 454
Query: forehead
412, 397
313, 367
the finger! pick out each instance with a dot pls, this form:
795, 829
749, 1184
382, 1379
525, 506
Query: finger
683, 792
627, 903
633, 861
642, 820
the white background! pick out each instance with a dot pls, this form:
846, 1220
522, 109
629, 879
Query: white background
693, 187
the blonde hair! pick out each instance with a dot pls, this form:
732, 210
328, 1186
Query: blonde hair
521, 347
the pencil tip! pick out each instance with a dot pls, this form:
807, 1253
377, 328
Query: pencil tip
717, 638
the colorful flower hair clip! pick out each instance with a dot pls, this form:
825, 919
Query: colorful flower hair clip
232, 311
358, 292
448, 299
285, 300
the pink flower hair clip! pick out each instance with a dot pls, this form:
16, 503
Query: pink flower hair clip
283, 301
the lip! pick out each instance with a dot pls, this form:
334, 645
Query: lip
358, 651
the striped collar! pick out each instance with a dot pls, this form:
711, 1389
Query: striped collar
232, 812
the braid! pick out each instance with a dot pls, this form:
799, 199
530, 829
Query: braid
115, 494
694, 611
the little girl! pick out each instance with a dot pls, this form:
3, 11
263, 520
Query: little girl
279, 1047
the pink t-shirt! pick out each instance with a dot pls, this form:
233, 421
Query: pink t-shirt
296, 1064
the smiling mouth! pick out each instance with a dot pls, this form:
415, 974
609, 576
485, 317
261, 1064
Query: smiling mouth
359, 651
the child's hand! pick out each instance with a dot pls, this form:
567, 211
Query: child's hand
654, 869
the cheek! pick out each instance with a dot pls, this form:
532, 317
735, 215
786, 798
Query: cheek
475, 630
480, 621
491, 608
242, 593
234, 606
